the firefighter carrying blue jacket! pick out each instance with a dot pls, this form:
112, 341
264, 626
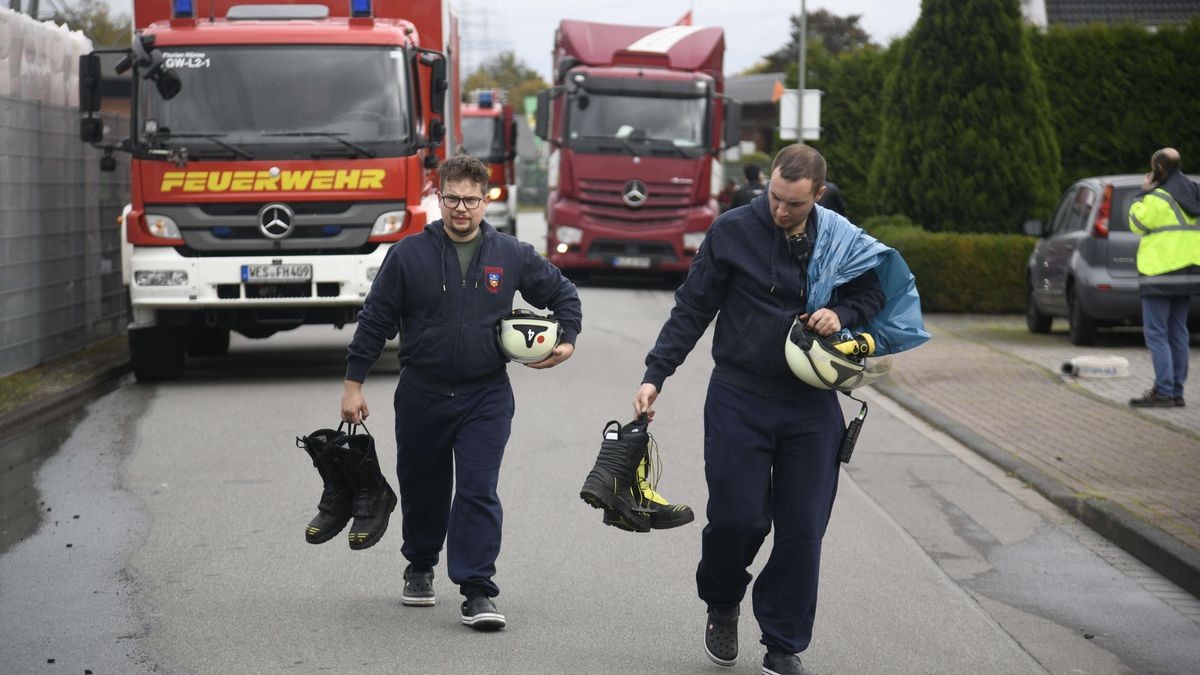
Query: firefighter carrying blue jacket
771, 441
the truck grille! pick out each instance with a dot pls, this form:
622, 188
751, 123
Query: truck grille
607, 193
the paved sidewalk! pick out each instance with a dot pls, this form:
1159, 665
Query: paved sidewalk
1131, 474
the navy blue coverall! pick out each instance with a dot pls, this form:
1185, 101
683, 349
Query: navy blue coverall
770, 441
454, 404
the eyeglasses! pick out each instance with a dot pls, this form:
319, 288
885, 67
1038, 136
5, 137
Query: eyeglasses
452, 201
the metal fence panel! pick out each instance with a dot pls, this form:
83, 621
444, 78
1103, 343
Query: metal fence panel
60, 247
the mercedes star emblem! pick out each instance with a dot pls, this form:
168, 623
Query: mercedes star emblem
275, 221
634, 193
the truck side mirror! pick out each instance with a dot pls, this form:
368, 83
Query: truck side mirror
541, 127
168, 84
511, 153
437, 102
91, 129
437, 132
89, 83
733, 123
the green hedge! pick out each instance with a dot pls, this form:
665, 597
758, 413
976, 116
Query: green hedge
1118, 93
960, 273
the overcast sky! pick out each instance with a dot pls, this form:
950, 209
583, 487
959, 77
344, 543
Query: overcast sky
752, 28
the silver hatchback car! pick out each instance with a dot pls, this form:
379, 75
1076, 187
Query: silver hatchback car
1084, 266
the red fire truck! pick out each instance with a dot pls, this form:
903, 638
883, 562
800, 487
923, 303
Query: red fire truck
490, 133
277, 150
636, 120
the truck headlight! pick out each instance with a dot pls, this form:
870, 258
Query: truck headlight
389, 223
163, 227
565, 234
692, 240
718, 179
160, 278
552, 171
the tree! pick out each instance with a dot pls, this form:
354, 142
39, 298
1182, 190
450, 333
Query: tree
966, 141
850, 121
93, 18
837, 34
505, 71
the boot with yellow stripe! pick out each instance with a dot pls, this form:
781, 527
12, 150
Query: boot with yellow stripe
663, 514
373, 500
334, 509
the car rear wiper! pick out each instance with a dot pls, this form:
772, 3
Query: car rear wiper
215, 138
334, 136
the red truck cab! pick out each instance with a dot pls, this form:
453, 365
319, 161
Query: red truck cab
490, 133
277, 151
637, 120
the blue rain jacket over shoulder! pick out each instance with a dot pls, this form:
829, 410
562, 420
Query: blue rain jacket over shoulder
844, 251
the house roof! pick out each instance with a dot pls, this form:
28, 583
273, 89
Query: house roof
1145, 12
750, 89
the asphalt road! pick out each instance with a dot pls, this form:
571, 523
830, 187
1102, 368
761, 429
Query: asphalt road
188, 554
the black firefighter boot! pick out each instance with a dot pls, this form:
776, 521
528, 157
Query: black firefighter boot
333, 511
610, 485
663, 514
373, 499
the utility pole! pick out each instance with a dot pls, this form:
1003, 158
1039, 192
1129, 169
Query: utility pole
800, 72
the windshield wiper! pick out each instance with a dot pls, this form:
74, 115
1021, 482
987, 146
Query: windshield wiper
215, 138
657, 144
334, 136
605, 144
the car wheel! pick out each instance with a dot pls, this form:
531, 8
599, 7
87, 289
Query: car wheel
1082, 326
1034, 319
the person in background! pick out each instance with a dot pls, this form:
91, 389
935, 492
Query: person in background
833, 199
725, 197
1168, 263
752, 188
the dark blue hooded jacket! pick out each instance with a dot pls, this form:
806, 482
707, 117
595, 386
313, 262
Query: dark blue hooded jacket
746, 272
447, 325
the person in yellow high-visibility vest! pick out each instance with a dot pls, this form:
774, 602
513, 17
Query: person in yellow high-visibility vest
1168, 263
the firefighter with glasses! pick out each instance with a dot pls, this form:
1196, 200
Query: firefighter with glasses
445, 290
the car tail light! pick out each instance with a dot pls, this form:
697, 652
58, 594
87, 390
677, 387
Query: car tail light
1100, 227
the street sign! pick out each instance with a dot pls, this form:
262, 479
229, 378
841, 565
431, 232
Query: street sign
812, 114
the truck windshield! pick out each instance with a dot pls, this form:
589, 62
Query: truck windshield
281, 102
637, 124
482, 138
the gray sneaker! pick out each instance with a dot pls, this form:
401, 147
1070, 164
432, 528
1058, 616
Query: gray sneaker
418, 588
780, 663
479, 612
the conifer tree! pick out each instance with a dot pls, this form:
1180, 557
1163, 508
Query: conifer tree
966, 141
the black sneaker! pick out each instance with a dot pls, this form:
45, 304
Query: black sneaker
418, 588
720, 635
782, 663
1179, 402
479, 612
1153, 399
